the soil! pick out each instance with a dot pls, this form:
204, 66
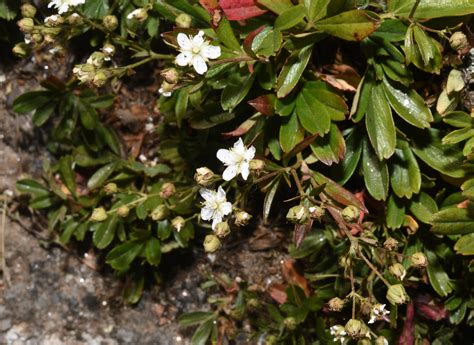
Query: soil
52, 295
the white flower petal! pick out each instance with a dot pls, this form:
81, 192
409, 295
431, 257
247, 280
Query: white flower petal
239, 146
226, 208
211, 52
184, 42
249, 153
221, 193
198, 40
199, 64
207, 194
225, 156
230, 172
217, 219
244, 170
184, 59
206, 213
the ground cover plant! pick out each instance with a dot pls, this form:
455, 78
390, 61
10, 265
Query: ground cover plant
347, 122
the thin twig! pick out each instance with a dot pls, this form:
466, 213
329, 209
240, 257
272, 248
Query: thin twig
5, 275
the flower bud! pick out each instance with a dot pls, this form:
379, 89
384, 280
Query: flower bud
183, 21
110, 22
356, 329
96, 59
381, 340
252, 304
21, 50
26, 24
84, 73
204, 176
242, 218
99, 214
398, 271
75, 19
390, 244
110, 188
418, 260
171, 75
167, 190
54, 20
108, 50
37, 38
211, 243
316, 212
298, 214
100, 79
458, 41
222, 229
290, 323
364, 341
139, 14
178, 223
28, 11
256, 165
396, 294
336, 304
159, 213
350, 213
123, 211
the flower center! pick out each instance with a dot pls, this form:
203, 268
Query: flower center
196, 50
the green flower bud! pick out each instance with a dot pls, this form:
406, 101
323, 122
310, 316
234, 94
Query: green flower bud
110, 22
252, 304
222, 229
167, 190
316, 212
357, 329
298, 214
242, 218
290, 323
271, 340
396, 294
178, 223
37, 38
204, 176
28, 11
100, 79
458, 41
336, 304
381, 340
390, 244
256, 165
75, 19
350, 213
108, 50
171, 75
183, 21
211, 243
26, 24
418, 260
364, 341
96, 59
159, 213
21, 50
85, 73
110, 188
99, 214
123, 211
398, 271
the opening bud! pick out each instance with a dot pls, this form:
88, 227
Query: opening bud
110, 188
183, 21
396, 294
26, 24
357, 329
204, 176
211, 243
222, 229
390, 244
171, 75
99, 214
110, 22
316, 212
167, 190
242, 218
398, 271
350, 213
54, 20
100, 79
123, 211
75, 19
140, 14
178, 223
336, 304
28, 11
298, 214
159, 213
418, 260
96, 59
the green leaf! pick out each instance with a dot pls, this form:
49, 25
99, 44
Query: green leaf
439, 279
379, 123
195, 318
291, 133
202, 333
316, 9
405, 176
9, 9
342, 172
362, 97
331, 148
267, 42
31, 100
153, 251
375, 173
276, 6
32, 187
226, 35
290, 18
42, 202
101, 102
43, 113
423, 207
122, 256
105, 233
453, 221
395, 212
447, 159
134, 289
392, 30
269, 196
96, 8
67, 174
409, 105
110, 137
458, 119
69, 228
181, 105
351, 25
236, 91
458, 135
87, 113
292, 71
101, 175
465, 245
422, 50
431, 8
311, 245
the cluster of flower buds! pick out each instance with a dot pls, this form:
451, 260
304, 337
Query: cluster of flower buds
170, 81
92, 71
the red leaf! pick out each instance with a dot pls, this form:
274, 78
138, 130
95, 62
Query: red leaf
263, 104
247, 44
209, 5
407, 336
292, 276
277, 291
430, 308
241, 130
240, 9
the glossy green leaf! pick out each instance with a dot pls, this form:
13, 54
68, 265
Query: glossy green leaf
267, 42
351, 25
431, 8
195, 318
122, 256
69, 228
423, 207
291, 133
316, 9
202, 333
409, 105
31, 187
30, 101
453, 221
392, 30
226, 35
379, 123
313, 115
465, 245
9, 9
276, 6
292, 71
458, 135
269, 196
181, 105
101, 175
439, 279
405, 176
331, 148
458, 119
96, 8
153, 251
67, 173
41, 202
236, 91
362, 97
290, 18
343, 171
43, 113
375, 173
395, 212
311, 245
105, 233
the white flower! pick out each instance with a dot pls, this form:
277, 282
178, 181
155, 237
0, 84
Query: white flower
165, 93
63, 5
339, 333
215, 205
139, 14
53, 20
195, 51
378, 312
236, 159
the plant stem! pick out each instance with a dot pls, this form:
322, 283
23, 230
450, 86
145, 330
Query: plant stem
373, 268
351, 277
235, 59
413, 9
